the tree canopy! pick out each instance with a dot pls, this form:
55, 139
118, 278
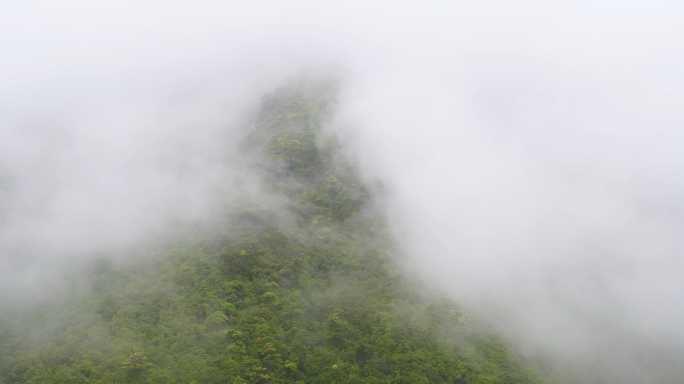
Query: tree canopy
297, 283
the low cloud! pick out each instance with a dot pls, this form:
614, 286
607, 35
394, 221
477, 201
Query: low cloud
532, 152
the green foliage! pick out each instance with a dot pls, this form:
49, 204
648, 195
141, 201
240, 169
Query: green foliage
301, 292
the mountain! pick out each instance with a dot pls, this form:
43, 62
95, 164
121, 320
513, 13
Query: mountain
298, 281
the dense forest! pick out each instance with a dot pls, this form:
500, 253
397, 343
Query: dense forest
298, 281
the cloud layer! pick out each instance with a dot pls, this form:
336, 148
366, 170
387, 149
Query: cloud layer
532, 151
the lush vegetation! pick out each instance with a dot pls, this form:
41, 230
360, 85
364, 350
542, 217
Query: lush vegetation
297, 283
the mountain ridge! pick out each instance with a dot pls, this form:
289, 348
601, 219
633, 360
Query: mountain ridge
297, 283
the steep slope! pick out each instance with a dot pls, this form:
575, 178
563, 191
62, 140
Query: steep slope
296, 283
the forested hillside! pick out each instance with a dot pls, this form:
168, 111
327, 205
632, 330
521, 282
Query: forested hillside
296, 283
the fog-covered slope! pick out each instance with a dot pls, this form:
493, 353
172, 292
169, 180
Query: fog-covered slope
297, 281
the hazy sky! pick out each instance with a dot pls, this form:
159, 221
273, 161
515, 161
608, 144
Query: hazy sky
532, 149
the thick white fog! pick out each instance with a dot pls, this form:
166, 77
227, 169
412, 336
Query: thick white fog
532, 151
559, 201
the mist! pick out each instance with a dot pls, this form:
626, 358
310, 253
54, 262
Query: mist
531, 152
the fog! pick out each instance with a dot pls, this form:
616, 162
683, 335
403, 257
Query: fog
531, 152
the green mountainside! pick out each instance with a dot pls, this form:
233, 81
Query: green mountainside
297, 283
